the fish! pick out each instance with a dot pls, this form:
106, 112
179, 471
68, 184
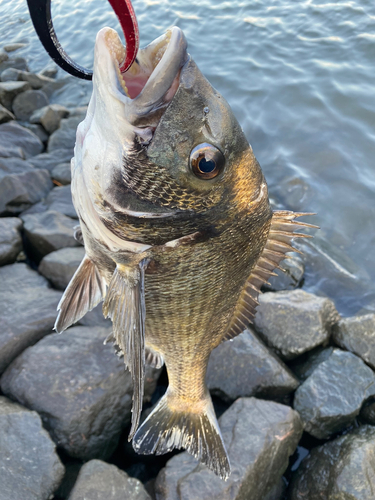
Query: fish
178, 231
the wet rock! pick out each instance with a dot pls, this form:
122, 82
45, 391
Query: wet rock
27, 310
48, 161
11, 75
5, 115
62, 173
58, 267
49, 71
79, 387
98, 480
259, 436
304, 368
29, 466
246, 367
294, 322
9, 90
14, 62
11, 47
21, 189
3, 56
290, 278
49, 231
65, 136
12, 135
10, 239
342, 469
37, 81
26, 103
50, 117
330, 399
357, 334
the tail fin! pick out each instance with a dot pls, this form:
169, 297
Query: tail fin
196, 431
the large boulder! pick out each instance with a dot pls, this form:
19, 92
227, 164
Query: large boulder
357, 335
259, 435
246, 367
26, 103
294, 322
29, 466
49, 231
58, 267
21, 185
12, 135
303, 367
10, 239
79, 387
9, 90
27, 310
343, 469
50, 116
330, 399
98, 480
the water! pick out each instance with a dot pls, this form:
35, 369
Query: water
300, 77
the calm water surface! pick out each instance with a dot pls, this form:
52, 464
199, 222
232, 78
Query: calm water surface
300, 77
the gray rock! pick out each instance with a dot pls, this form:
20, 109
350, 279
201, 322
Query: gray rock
27, 310
291, 277
294, 322
14, 166
304, 368
14, 62
48, 161
10, 239
62, 173
49, 231
98, 480
95, 318
37, 81
5, 115
79, 387
246, 367
357, 334
38, 130
330, 399
26, 103
367, 413
58, 200
49, 71
58, 267
11, 75
3, 56
9, 90
259, 435
29, 466
342, 469
12, 135
65, 136
50, 116
11, 151
19, 191
11, 47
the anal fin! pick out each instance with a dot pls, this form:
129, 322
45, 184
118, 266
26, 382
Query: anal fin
279, 242
125, 305
85, 290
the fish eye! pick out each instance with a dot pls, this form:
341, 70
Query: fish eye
206, 161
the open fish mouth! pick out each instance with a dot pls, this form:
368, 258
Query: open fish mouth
151, 82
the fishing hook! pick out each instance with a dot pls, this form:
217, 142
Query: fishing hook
40, 13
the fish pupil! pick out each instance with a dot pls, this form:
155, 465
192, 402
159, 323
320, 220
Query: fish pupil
207, 166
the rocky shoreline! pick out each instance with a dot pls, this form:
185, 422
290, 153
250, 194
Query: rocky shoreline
295, 392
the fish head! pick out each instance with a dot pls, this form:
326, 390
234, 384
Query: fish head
159, 142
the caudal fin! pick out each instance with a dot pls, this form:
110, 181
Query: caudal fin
198, 432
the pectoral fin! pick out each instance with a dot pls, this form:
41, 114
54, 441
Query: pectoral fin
278, 244
85, 290
125, 305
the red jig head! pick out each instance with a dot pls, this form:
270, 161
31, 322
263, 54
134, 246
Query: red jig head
40, 13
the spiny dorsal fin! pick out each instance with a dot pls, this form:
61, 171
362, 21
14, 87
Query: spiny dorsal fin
279, 240
125, 305
85, 290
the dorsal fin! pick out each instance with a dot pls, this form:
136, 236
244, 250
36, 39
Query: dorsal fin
85, 290
125, 305
279, 240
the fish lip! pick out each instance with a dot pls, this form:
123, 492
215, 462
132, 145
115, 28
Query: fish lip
155, 73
